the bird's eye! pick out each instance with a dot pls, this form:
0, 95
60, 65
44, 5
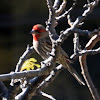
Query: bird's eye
38, 31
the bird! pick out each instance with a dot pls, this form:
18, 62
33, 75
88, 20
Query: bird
43, 46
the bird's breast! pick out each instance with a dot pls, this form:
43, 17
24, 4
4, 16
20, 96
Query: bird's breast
43, 48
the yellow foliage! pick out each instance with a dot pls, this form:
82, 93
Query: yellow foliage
30, 64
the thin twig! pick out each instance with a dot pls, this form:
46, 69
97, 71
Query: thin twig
28, 92
51, 77
26, 54
46, 95
84, 68
85, 52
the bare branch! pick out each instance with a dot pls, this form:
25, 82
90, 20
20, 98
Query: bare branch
76, 43
92, 42
44, 76
69, 20
25, 55
84, 68
86, 32
61, 8
46, 95
49, 4
28, 92
50, 78
66, 12
85, 52
56, 4
36, 84
30, 73
24, 94
86, 12
74, 26
3, 90
13, 91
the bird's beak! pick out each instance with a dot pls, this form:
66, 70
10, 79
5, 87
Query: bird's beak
32, 31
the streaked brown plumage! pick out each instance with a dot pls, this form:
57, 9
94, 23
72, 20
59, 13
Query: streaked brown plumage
42, 45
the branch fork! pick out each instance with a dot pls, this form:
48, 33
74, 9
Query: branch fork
41, 78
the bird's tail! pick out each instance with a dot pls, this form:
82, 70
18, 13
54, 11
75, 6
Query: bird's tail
65, 62
76, 75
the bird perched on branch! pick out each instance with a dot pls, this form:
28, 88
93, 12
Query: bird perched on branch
42, 44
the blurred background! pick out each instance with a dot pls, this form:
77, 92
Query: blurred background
16, 20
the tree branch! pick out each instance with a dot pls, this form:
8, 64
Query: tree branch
30, 73
44, 76
46, 95
26, 54
84, 68
3, 90
51, 77
28, 92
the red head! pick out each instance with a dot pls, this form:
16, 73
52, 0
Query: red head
37, 31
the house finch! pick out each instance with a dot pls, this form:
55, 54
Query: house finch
42, 44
